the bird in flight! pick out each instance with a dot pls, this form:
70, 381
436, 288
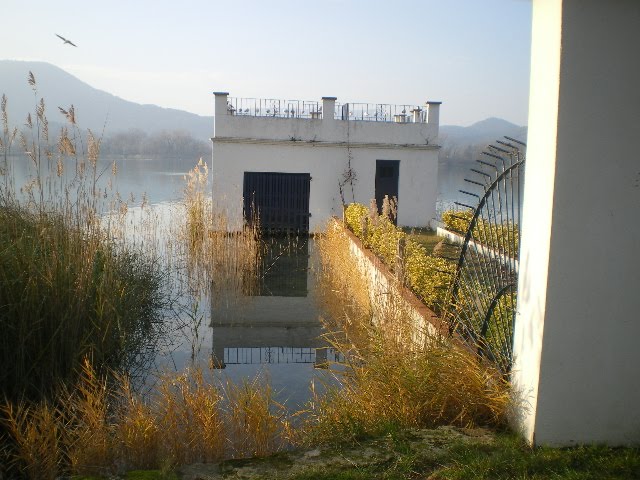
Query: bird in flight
66, 41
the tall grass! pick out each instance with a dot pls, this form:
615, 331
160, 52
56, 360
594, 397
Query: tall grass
394, 376
224, 262
258, 424
67, 290
104, 428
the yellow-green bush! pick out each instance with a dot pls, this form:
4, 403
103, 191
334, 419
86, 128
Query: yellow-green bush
457, 221
429, 277
381, 234
383, 238
353, 214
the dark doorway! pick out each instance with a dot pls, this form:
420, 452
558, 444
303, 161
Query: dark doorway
280, 201
387, 173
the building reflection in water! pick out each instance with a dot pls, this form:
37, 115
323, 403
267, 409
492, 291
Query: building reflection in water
277, 322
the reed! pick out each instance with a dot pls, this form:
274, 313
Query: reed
84, 418
67, 294
103, 427
188, 411
67, 289
222, 259
258, 425
394, 374
37, 433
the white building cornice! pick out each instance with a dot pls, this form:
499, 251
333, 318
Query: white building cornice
312, 143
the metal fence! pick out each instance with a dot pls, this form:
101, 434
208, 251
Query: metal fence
381, 112
270, 107
483, 297
368, 112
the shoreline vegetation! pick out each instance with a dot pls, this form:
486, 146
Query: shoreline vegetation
80, 303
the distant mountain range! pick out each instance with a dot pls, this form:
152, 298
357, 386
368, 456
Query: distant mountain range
483, 132
95, 108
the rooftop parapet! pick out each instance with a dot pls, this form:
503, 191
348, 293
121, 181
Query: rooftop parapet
325, 120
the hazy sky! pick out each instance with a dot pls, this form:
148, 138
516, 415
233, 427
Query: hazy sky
473, 55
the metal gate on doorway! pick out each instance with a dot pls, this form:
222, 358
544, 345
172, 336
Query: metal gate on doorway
279, 202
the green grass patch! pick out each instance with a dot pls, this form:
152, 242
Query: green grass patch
511, 458
507, 457
423, 236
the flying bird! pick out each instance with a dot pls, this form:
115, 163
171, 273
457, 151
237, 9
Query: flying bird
66, 41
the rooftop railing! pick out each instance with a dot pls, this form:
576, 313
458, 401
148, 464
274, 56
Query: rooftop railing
269, 107
381, 112
369, 112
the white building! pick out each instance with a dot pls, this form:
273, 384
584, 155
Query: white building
297, 161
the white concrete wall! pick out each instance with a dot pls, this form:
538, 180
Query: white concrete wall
577, 358
385, 292
306, 129
418, 181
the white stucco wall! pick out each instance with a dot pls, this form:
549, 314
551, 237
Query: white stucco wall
417, 181
322, 147
577, 359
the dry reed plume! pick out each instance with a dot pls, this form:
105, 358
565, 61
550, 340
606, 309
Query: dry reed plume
68, 287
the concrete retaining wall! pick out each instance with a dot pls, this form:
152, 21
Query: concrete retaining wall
385, 288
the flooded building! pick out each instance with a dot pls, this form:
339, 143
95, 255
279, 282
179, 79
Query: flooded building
295, 163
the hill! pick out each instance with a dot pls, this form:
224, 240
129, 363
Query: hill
482, 132
95, 109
